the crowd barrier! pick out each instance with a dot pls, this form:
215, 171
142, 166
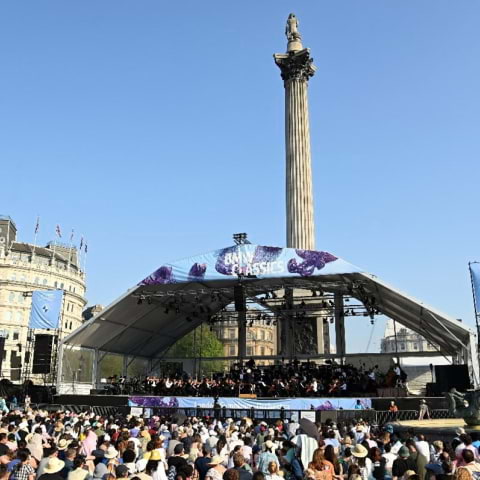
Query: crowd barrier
374, 417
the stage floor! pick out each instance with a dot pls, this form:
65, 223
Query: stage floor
442, 429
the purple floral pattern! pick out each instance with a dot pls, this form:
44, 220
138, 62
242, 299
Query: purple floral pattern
311, 260
167, 402
197, 272
161, 276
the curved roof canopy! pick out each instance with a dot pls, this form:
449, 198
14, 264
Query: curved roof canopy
179, 296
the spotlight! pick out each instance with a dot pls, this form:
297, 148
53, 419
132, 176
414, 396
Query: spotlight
140, 300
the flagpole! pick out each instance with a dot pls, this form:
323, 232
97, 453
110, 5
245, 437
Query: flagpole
474, 304
85, 260
70, 250
35, 237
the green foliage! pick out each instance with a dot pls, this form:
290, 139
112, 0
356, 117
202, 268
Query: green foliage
199, 343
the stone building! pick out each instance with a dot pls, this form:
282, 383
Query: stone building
25, 267
261, 338
406, 341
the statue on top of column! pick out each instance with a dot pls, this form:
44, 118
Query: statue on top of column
291, 29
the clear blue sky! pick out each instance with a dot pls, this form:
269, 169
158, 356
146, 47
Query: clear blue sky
156, 130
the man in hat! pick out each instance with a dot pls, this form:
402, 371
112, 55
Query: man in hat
52, 469
403, 463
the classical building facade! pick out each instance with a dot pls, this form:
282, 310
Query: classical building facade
261, 338
24, 268
406, 340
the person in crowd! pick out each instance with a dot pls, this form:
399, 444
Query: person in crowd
267, 456
403, 463
216, 470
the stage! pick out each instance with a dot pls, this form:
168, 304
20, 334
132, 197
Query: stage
438, 429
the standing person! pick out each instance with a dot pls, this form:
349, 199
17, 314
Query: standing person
319, 468
266, 457
216, 469
202, 463
393, 409
273, 472
378, 463
423, 410
360, 458
23, 470
52, 469
403, 463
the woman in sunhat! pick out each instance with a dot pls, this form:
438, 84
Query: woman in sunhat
52, 469
359, 453
216, 470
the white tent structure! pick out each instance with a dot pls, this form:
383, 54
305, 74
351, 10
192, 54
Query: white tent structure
179, 296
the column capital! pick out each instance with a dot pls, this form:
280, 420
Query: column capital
295, 65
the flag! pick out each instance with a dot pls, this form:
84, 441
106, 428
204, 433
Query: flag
71, 236
475, 275
37, 226
81, 243
46, 307
58, 231
86, 248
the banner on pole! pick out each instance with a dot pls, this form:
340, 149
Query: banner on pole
46, 307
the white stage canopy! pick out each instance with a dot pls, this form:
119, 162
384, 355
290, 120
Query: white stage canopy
179, 296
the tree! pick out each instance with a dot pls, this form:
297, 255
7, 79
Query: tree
199, 343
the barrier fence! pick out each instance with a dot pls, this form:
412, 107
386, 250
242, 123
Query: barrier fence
375, 417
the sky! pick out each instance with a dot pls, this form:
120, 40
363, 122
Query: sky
156, 130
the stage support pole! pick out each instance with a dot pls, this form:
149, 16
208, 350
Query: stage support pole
60, 366
242, 336
125, 365
96, 362
339, 326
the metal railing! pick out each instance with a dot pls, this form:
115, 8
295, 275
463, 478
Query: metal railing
374, 417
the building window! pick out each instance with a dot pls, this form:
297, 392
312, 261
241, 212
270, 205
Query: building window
13, 277
270, 336
61, 286
21, 298
249, 351
7, 316
23, 279
45, 281
249, 335
262, 350
415, 346
262, 335
402, 346
19, 317
11, 297
231, 334
55, 284
37, 280
16, 335
231, 350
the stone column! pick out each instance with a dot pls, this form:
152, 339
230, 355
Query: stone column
339, 326
296, 67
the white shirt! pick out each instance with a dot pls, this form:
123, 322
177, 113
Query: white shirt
424, 449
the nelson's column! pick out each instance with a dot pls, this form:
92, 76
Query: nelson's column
296, 68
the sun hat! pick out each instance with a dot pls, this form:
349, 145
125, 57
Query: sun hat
111, 452
141, 465
155, 455
269, 444
459, 431
404, 452
63, 444
409, 473
216, 460
438, 444
54, 465
359, 451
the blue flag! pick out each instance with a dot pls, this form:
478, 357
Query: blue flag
46, 307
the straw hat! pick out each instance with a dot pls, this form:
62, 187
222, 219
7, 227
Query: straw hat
63, 444
359, 451
54, 465
216, 460
111, 452
155, 455
409, 473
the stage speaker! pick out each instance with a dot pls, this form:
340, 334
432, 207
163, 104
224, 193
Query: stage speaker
2, 351
42, 353
448, 376
239, 297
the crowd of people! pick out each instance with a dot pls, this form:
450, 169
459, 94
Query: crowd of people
294, 379
37, 445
